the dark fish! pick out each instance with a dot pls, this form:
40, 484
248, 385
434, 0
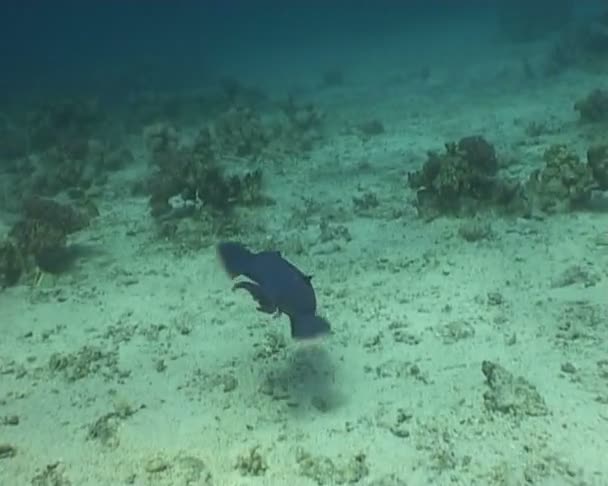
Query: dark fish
277, 286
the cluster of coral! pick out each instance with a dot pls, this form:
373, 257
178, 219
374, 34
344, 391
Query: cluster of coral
220, 167
593, 108
465, 179
192, 174
461, 179
54, 157
39, 239
203, 154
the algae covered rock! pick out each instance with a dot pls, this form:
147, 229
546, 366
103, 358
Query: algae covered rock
594, 107
510, 394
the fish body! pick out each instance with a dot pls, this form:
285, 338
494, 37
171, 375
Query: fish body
276, 285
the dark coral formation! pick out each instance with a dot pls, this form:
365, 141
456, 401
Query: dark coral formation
464, 180
219, 168
564, 183
594, 107
39, 239
461, 180
597, 159
72, 146
240, 132
478, 152
63, 217
193, 174
35, 237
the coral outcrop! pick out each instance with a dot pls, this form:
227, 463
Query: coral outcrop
564, 183
594, 107
461, 180
40, 239
191, 176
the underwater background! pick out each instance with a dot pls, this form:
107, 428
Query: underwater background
439, 168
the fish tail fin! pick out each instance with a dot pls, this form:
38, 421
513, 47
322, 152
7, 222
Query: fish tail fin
308, 326
234, 257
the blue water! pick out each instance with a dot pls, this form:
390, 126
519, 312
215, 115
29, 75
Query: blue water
80, 45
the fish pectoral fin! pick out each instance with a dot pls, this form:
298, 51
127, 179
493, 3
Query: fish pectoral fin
264, 303
267, 308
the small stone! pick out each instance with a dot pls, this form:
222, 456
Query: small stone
399, 431
160, 365
7, 451
156, 465
568, 368
11, 420
495, 298
320, 403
